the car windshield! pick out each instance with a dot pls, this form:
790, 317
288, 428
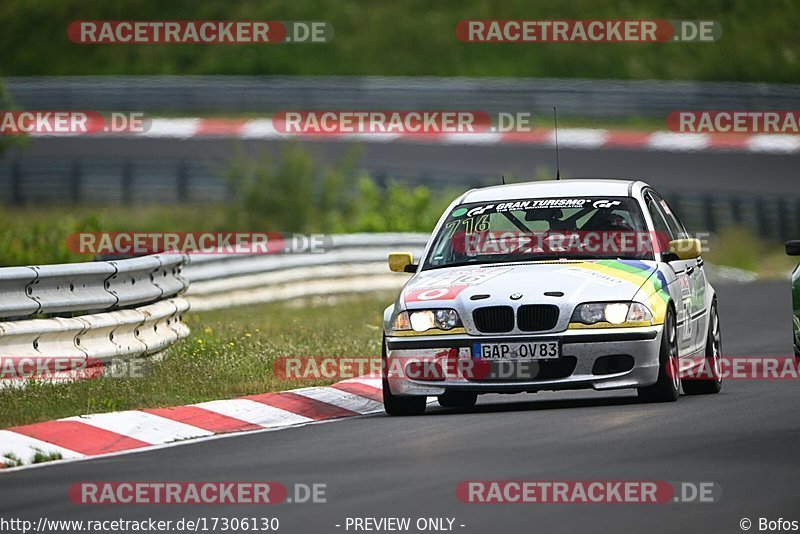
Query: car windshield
542, 229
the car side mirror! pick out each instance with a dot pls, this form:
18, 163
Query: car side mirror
402, 262
793, 247
683, 249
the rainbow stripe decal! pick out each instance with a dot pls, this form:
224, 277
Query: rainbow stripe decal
653, 286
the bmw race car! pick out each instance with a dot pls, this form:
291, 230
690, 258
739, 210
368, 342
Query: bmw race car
554, 285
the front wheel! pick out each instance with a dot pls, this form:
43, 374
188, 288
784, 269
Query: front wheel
668, 386
713, 357
396, 404
401, 405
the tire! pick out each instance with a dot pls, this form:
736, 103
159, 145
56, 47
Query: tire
458, 399
668, 386
402, 405
714, 353
396, 404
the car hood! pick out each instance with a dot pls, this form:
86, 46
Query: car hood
562, 283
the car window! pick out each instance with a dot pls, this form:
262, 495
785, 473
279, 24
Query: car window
675, 225
659, 220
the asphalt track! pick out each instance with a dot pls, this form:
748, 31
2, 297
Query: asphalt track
745, 439
732, 172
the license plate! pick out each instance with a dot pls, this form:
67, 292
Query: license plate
524, 350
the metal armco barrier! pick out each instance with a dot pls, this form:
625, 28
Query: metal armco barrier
352, 263
99, 311
89, 287
238, 94
99, 337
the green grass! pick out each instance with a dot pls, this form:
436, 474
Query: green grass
42, 457
416, 38
39, 457
10, 459
37, 235
739, 247
230, 353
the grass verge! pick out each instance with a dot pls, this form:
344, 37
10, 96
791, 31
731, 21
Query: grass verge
229, 354
741, 248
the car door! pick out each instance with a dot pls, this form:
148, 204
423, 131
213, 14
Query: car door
684, 269
696, 277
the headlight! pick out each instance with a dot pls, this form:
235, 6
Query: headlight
589, 313
401, 322
639, 312
445, 319
615, 313
424, 320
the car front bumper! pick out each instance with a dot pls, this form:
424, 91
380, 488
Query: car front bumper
581, 347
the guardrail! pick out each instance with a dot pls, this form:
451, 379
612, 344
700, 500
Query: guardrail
352, 263
260, 94
89, 287
98, 310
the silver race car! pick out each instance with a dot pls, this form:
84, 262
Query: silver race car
555, 285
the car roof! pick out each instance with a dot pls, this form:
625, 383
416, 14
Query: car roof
554, 188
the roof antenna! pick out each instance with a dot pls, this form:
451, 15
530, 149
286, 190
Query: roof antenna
503, 179
558, 165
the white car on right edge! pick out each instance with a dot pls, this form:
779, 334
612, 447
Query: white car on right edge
549, 286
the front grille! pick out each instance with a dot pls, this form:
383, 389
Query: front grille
537, 317
494, 319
